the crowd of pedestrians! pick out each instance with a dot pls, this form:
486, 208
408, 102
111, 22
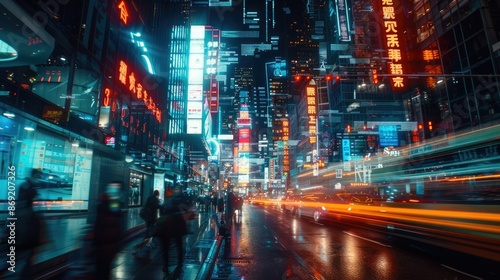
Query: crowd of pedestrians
165, 221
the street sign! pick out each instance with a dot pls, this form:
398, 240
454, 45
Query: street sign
339, 173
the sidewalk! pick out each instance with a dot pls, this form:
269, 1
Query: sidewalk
58, 259
65, 233
197, 247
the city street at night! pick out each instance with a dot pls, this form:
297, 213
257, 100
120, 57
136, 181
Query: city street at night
353, 140
270, 244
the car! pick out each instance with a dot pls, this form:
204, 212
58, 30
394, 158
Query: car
52, 180
322, 207
315, 206
290, 203
359, 199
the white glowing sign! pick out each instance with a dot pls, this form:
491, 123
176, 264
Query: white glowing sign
343, 21
195, 80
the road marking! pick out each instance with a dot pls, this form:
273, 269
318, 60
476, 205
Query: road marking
367, 239
459, 271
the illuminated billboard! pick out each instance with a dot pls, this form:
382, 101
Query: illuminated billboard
211, 68
220, 3
195, 92
311, 112
244, 154
393, 44
343, 21
276, 69
388, 135
195, 80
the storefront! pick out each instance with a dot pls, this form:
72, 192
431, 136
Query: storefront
65, 162
73, 169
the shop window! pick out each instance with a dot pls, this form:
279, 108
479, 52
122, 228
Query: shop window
64, 164
135, 188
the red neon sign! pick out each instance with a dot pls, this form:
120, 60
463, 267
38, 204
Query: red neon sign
128, 79
123, 12
107, 99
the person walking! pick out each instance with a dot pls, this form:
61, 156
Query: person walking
172, 226
108, 229
220, 207
30, 229
149, 213
230, 204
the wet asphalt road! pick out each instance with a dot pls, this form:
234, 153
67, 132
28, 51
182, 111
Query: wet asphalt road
268, 243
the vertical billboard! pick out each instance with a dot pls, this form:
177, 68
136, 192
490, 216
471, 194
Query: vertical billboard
311, 112
393, 34
213, 49
195, 80
343, 21
243, 155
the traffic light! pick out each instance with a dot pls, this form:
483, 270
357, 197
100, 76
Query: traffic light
328, 77
430, 126
297, 78
337, 78
374, 76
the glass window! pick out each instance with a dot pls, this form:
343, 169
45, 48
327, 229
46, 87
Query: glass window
65, 164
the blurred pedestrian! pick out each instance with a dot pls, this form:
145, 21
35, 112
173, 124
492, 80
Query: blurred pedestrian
149, 213
29, 228
230, 204
213, 203
220, 207
206, 202
238, 204
172, 226
108, 229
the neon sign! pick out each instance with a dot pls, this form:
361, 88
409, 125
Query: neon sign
311, 112
392, 43
107, 99
343, 21
123, 12
128, 79
286, 148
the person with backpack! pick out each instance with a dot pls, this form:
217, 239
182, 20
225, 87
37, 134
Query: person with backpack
149, 213
172, 226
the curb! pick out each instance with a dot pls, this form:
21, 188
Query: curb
207, 268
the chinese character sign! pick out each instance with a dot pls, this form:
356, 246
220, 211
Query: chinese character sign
311, 112
392, 43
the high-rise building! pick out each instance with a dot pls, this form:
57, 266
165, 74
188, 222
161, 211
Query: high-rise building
88, 100
454, 46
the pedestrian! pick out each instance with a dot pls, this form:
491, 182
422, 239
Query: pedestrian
238, 205
220, 207
149, 213
30, 229
172, 226
206, 202
230, 204
213, 202
108, 229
